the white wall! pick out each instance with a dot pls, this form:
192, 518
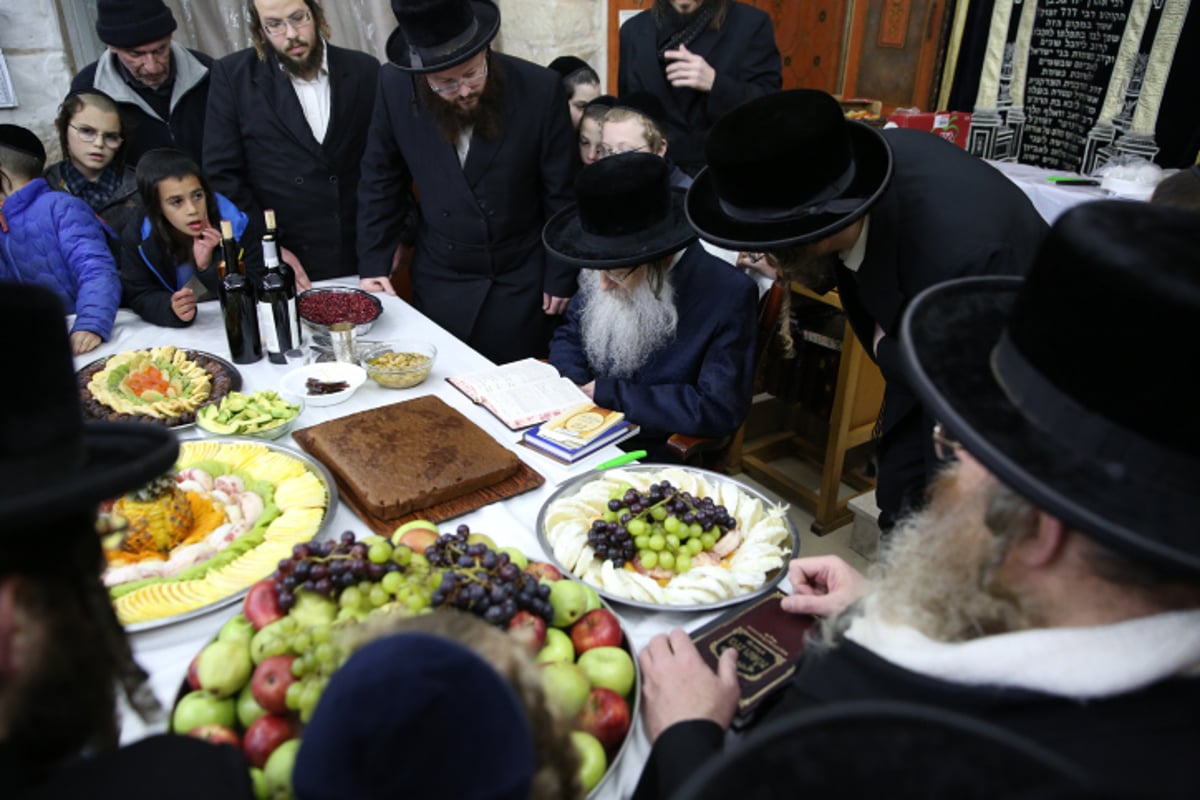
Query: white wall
32, 41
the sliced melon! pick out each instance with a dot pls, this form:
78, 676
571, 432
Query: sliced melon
303, 491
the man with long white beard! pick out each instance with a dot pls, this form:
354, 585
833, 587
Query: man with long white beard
1052, 585
659, 330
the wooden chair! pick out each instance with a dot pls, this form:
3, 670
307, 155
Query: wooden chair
713, 453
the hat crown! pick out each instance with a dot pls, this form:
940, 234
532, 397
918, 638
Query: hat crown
623, 194
130, 23
23, 140
433, 23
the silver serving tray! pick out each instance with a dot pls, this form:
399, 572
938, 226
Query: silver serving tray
330, 509
320, 332
572, 486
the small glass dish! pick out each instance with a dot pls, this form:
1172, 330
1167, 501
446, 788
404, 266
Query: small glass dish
399, 365
329, 301
261, 430
336, 372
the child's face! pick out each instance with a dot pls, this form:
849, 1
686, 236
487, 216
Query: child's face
101, 127
589, 141
184, 204
584, 94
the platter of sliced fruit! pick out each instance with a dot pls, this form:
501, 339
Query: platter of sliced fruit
258, 683
668, 537
196, 538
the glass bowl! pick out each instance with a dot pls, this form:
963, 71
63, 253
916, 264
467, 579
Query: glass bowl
328, 303
399, 365
244, 428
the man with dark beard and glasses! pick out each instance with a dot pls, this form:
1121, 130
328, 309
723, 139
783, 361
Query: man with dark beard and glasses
63, 656
660, 329
1052, 585
287, 124
485, 140
879, 216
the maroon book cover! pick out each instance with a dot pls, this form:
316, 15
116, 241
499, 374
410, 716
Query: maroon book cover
769, 642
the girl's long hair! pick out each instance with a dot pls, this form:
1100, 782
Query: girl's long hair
155, 166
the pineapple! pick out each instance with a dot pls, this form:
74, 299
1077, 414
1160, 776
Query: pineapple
158, 514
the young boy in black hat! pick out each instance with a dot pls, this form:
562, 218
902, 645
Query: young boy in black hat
63, 655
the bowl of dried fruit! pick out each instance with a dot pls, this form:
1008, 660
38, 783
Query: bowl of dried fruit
321, 308
325, 384
399, 365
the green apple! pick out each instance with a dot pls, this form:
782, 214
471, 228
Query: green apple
278, 769
482, 538
609, 668
201, 708
515, 556
259, 782
248, 708
593, 599
566, 687
313, 609
272, 640
558, 647
592, 761
223, 668
238, 630
569, 600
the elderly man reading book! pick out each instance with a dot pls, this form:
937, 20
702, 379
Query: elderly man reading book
659, 330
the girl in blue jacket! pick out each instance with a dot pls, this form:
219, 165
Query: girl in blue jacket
168, 262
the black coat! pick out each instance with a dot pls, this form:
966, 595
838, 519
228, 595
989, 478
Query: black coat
260, 152
742, 53
479, 267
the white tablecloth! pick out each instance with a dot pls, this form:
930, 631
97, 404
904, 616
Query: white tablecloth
1049, 198
166, 652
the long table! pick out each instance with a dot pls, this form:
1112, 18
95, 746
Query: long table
166, 652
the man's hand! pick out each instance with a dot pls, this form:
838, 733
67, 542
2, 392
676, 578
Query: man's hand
83, 342
554, 305
203, 247
589, 389
823, 586
303, 284
377, 285
183, 303
758, 263
688, 70
677, 685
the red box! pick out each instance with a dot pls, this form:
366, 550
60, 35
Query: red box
950, 125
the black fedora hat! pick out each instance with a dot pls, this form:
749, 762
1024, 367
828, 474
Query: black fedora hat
787, 168
434, 35
52, 463
625, 214
1066, 385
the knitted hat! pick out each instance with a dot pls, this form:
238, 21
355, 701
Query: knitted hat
132, 23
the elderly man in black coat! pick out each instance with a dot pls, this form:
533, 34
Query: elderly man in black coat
486, 140
287, 124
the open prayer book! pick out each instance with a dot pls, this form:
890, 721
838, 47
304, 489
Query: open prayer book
521, 393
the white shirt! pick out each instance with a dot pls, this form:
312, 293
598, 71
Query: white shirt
463, 145
314, 97
853, 258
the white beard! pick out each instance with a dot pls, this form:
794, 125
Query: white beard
620, 330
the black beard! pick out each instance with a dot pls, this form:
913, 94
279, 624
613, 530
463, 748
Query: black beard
305, 67
486, 118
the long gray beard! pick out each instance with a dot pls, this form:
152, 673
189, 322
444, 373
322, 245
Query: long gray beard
621, 330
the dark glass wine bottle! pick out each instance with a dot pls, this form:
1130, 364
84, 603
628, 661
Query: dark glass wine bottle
238, 305
277, 319
289, 274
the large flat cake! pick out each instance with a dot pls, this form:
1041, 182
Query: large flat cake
408, 456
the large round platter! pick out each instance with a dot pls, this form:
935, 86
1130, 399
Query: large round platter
321, 330
301, 519
224, 376
583, 495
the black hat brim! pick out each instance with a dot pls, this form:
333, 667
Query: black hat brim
873, 172
565, 238
947, 337
487, 14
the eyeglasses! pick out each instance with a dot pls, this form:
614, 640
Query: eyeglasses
605, 151
620, 279
87, 134
944, 448
298, 20
470, 80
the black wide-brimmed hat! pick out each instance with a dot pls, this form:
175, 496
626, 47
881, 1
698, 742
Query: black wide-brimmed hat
434, 35
785, 169
1069, 385
625, 214
52, 463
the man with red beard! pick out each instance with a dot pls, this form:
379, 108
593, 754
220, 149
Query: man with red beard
286, 127
63, 655
485, 139
1052, 585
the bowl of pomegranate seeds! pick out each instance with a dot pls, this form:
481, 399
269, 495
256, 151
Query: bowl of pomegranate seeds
320, 308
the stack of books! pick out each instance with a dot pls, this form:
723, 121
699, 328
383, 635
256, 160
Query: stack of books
578, 432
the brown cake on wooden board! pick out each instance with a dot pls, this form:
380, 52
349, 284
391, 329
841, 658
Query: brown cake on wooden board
408, 455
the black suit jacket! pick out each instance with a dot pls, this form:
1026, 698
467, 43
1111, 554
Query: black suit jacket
479, 268
742, 53
260, 152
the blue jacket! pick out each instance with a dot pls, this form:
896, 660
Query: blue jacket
55, 240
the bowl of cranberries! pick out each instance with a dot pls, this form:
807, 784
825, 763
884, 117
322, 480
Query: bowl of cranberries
322, 308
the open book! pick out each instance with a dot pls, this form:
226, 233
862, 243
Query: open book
521, 393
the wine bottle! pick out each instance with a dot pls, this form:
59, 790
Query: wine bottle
289, 279
276, 321
238, 305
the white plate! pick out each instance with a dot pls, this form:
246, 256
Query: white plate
329, 372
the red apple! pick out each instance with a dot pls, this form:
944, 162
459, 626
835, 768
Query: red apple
417, 539
213, 733
263, 736
605, 715
544, 571
262, 605
531, 627
597, 628
270, 683
193, 676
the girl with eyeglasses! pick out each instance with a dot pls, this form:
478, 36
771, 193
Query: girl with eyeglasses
92, 134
